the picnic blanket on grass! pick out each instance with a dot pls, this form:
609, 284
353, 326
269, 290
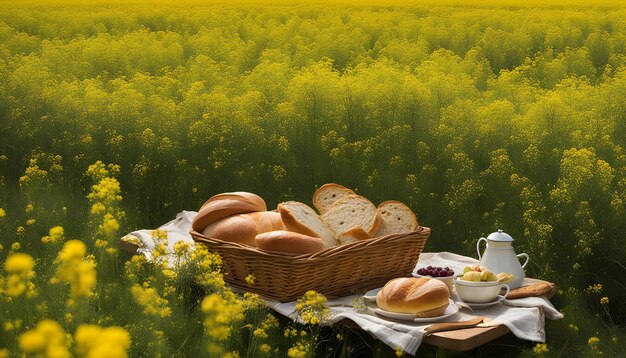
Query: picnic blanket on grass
525, 317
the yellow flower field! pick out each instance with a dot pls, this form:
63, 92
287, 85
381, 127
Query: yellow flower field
116, 115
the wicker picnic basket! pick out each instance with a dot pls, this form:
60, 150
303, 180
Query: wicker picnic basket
334, 272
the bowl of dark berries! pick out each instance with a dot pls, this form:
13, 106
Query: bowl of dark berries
443, 274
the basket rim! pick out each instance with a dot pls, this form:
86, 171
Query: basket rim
329, 252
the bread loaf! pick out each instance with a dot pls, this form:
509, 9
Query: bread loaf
397, 218
423, 297
224, 205
289, 242
352, 235
243, 228
328, 194
301, 218
353, 211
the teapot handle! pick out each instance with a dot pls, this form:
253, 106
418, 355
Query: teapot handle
526, 256
478, 247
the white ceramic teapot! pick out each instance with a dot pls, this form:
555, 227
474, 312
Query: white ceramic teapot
499, 256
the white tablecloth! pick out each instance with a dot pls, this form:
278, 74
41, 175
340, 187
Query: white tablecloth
524, 317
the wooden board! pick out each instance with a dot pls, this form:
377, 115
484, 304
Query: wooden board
466, 339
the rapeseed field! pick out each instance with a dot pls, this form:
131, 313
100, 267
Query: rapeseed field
116, 115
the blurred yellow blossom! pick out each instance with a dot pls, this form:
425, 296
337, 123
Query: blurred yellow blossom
29, 208
19, 267
399, 352
299, 350
47, 339
19, 263
94, 341
593, 341
604, 300
15, 246
55, 236
540, 349
265, 348
76, 269
250, 279
148, 298
109, 225
30, 222
220, 314
597, 288
2, 213
4, 353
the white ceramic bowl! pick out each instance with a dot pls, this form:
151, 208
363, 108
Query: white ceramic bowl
479, 292
448, 280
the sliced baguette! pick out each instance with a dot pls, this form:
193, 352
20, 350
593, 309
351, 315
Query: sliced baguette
289, 242
328, 194
352, 235
353, 211
397, 218
303, 219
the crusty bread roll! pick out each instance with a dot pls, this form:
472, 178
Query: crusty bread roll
224, 205
243, 228
328, 194
301, 218
351, 211
422, 296
397, 218
287, 241
352, 235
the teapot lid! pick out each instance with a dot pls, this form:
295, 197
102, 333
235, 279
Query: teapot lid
500, 236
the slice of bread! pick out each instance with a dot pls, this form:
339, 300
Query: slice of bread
353, 211
303, 219
352, 235
328, 194
397, 218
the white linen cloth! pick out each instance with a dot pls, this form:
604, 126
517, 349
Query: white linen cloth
524, 317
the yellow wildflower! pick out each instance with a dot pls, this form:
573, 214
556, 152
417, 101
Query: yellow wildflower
299, 350
20, 230
540, 349
109, 226
18, 263
97, 208
75, 269
30, 222
399, 352
250, 279
4, 353
149, 299
94, 341
2, 213
312, 308
19, 266
573, 327
29, 208
604, 300
220, 315
15, 246
267, 324
46, 339
265, 348
593, 341
597, 288
55, 235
